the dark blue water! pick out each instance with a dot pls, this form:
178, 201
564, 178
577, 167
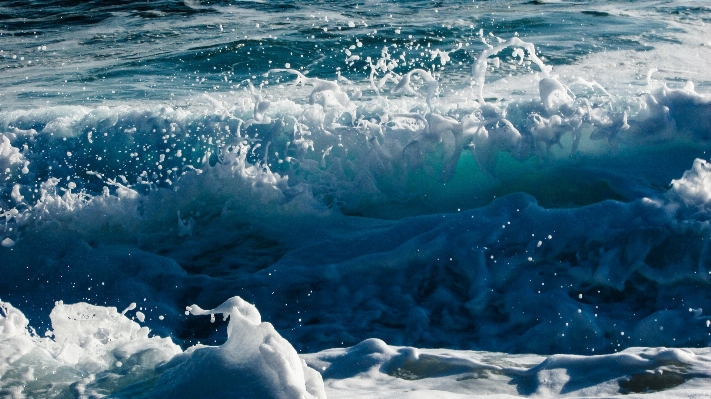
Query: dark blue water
334, 163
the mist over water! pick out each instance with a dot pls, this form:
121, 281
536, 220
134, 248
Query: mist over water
493, 176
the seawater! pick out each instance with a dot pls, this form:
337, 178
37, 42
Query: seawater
525, 177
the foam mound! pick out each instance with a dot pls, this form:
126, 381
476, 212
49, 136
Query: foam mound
254, 362
94, 351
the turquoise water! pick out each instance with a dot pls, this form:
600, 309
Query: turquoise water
493, 175
502, 176
170, 51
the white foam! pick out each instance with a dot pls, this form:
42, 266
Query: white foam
694, 188
86, 340
352, 151
479, 67
93, 338
374, 369
254, 361
95, 348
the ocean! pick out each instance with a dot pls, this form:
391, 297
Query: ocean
378, 199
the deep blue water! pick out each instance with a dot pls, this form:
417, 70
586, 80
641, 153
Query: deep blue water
130, 127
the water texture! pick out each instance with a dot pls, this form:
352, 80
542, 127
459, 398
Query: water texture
505, 177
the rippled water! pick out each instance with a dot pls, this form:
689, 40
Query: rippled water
95, 52
523, 177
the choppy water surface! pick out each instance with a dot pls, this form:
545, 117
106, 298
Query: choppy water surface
502, 176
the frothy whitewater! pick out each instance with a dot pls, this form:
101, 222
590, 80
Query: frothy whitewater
377, 199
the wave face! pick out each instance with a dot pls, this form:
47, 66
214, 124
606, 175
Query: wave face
494, 176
